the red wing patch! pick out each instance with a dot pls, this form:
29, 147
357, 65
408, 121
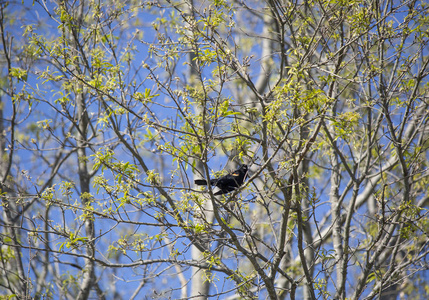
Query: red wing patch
235, 174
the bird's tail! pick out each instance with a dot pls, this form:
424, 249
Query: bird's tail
200, 182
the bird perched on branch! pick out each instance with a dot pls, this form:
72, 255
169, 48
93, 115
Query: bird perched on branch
227, 183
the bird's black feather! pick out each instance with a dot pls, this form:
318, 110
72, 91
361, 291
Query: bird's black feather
227, 183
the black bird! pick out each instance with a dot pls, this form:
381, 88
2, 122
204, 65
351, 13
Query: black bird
227, 183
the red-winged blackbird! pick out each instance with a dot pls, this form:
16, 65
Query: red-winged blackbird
227, 183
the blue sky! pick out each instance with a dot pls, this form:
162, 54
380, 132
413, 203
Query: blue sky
127, 278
